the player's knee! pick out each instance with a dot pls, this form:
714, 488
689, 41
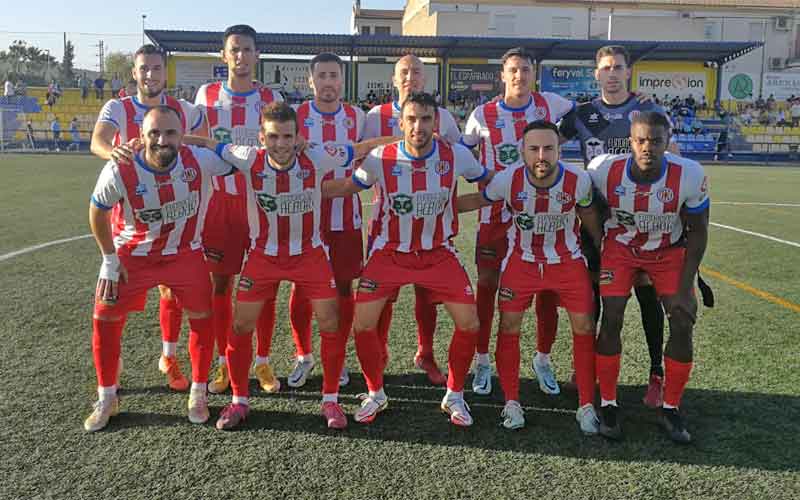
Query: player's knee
242, 326
328, 322
510, 323
198, 314
583, 324
469, 323
221, 284
165, 292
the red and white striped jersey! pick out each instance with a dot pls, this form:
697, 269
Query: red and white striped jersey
545, 227
126, 116
497, 128
161, 213
647, 216
233, 118
384, 120
416, 196
344, 126
283, 206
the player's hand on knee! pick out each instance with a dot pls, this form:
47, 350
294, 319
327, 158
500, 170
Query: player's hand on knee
111, 271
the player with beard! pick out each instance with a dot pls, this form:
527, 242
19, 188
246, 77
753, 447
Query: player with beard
162, 195
384, 120
118, 123
658, 225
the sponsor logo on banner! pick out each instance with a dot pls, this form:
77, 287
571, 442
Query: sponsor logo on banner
673, 83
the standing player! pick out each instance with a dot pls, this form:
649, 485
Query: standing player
549, 203
497, 126
657, 202
416, 181
163, 196
118, 123
322, 121
603, 126
384, 120
233, 110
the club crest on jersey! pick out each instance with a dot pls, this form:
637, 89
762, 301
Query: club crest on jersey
594, 147
563, 198
665, 195
620, 190
507, 154
539, 113
524, 221
308, 123
391, 122
402, 204
593, 118
522, 196
267, 202
347, 122
188, 175
303, 174
223, 135
442, 168
500, 123
141, 189
397, 171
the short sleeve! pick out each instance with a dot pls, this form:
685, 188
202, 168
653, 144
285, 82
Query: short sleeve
583, 190
194, 115
330, 156
211, 162
559, 106
366, 175
200, 98
109, 189
597, 173
241, 157
497, 189
472, 130
372, 124
448, 128
566, 127
697, 199
466, 164
361, 123
112, 112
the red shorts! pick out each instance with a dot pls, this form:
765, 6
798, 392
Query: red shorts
491, 246
226, 233
310, 272
522, 280
438, 270
185, 274
347, 253
619, 266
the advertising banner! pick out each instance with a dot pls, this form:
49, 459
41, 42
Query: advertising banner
681, 84
568, 81
781, 85
196, 72
377, 77
471, 80
740, 86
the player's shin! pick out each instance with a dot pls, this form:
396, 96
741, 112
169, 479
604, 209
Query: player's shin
240, 355
583, 358
201, 348
507, 358
222, 314
170, 316
346, 312
332, 351
653, 325
426, 315
384, 324
678, 359
369, 349
546, 321
300, 318
485, 299
265, 330
462, 347
106, 346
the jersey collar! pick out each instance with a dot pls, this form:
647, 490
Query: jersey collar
237, 94
521, 108
556, 181
396, 106
139, 104
279, 170
140, 161
323, 113
628, 173
415, 158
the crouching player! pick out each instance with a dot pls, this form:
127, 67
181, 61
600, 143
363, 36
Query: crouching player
548, 202
163, 194
658, 225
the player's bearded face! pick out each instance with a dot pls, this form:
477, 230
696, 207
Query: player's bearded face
540, 153
149, 74
280, 141
417, 125
517, 76
649, 143
326, 80
161, 134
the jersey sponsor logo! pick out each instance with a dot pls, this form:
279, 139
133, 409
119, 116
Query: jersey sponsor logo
499, 123
593, 118
620, 190
563, 198
391, 122
594, 148
141, 189
267, 202
402, 204
505, 294
223, 135
618, 145
442, 168
295, 203
188, 175
245, 136
507, 154
522, 196
430, 204
171, 212
665, 195
549, 223
655, 223
624, 218
539, 113
610, 117
524, 222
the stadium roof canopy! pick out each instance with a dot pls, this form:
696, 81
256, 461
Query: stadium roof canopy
451, 46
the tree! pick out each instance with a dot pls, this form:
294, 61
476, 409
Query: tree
67, 64
120, 63
28, 63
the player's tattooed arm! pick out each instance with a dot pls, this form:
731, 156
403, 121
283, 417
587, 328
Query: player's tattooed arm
111, 269
696, 242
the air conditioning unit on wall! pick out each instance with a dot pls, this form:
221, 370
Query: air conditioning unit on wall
777, 63
783, 23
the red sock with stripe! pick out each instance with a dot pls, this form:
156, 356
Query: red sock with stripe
546, 321
347, 307
583, 359
485, 299
368, 349
506, 357
676, 376
201, 348
170, 316
265, 328
106, 347
607, 374
240, 354
462, 348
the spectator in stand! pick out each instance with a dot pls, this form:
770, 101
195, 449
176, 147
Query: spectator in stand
75, 134
8, 88
29, 133
690, 103
116, 85
20, 90
703, 103
771, 102
795, 111
55, 129
99, 88
83, 84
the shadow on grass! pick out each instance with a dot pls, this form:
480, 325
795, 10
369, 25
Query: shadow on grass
759, 431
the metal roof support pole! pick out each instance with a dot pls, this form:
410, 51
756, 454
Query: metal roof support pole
444, 80
718, 96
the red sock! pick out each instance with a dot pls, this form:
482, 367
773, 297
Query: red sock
239, 356
368, 349
222, 314
546, 321
607, 374
462, 347
676, 376
506, 357
170, 315
265, 328
201, 347
106, 346
485, 299
425, 313
384, 323
347, 306
583, 358
331, 351
300, 319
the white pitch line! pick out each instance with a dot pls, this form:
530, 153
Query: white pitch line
751, 233
758, 204
25, 250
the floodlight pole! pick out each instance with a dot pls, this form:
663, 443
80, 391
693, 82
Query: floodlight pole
610, 23
144, 16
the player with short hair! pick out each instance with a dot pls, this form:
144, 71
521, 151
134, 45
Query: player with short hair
549, 202
603, 126
416, 181
658, 224
163, 196
321, 121
118, 123
384, 120
233, 109
497, 127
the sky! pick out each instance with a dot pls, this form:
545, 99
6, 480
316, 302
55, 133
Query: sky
43, 22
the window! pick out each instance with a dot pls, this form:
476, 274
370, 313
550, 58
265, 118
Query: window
562, 27
365, 30
755, 32
383, 30
711, 31
504, 24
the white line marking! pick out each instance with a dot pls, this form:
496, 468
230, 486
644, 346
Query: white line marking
25, 250
751, 233
758, 204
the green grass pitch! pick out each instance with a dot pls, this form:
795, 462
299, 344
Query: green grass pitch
743, 402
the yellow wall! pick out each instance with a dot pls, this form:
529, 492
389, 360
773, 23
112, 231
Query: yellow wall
677, 67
